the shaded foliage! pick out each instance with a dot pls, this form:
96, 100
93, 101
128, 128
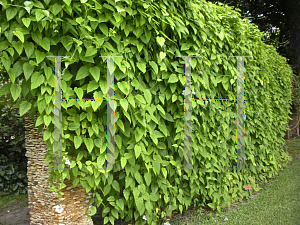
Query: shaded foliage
13, 163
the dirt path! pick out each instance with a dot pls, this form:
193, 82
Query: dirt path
18, 214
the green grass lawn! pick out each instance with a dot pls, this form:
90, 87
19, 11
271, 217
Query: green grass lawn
277, 203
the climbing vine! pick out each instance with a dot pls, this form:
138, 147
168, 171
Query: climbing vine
149, 106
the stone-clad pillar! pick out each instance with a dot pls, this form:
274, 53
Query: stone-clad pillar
42, 202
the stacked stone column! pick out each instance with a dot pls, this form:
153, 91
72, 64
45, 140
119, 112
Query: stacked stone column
42, 202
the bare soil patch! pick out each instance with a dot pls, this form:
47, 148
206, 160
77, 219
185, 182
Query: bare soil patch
17, 214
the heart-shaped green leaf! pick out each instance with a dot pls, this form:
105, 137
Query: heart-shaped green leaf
20, 35
148, 96
28, 70
15, 91
45, 43
77, 141
18, 45
124, 104
40, 56
67, 42
89, 144
37, 80
173, 79
95, 72
82, 73
154, 66
26, 21
142, 66
24, 107
12, 75
79, 92
5, 89
11, 12
162, 55
93, 85
160, 41
123, 86
29, 48
91, 50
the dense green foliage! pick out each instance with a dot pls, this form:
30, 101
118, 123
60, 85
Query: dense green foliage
149, 107
13, 163
280, 20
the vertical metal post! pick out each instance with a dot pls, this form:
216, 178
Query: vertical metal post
240, 114
110, 115
187, 154
240, 121
58, 116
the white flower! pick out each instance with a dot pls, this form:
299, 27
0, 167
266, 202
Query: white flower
144, 217
59, 209
8, 211
167, 223
194, 93
68, 162
225, 219
200, 72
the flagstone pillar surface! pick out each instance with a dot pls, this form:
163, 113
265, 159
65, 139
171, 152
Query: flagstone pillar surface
42, 202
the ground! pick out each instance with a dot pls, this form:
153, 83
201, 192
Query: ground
16, 214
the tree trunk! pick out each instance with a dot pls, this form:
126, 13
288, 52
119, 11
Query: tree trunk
41, 202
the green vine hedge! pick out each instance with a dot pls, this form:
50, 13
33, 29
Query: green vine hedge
149, 107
